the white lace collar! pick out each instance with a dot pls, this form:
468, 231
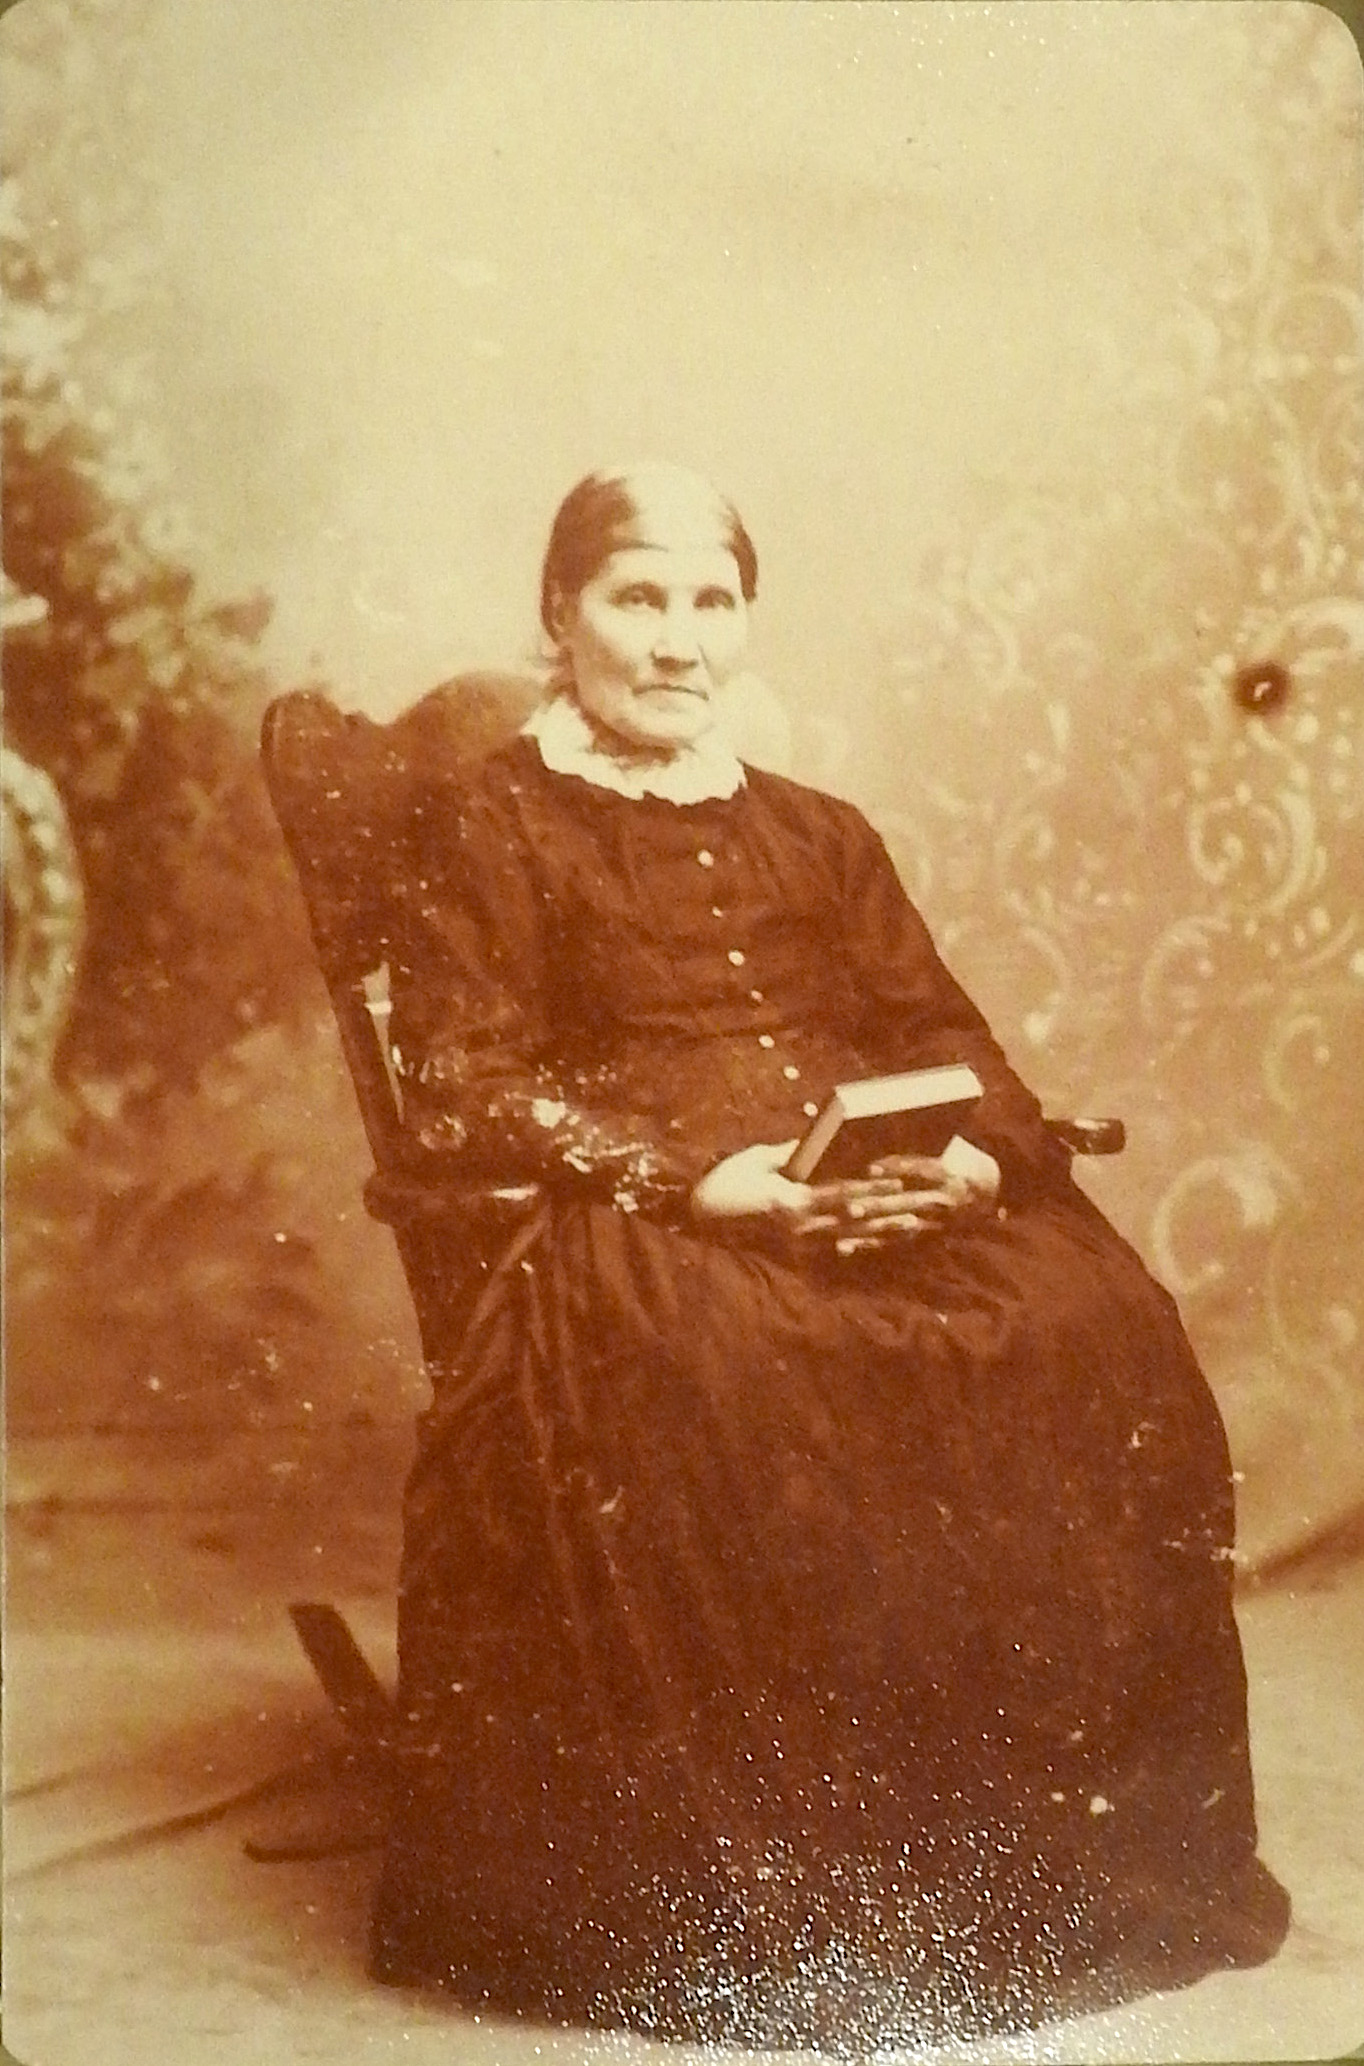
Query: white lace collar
569, 746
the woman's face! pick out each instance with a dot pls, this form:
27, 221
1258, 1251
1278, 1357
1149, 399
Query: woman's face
652, 638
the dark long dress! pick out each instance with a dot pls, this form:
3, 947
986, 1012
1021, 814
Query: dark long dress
788, 1650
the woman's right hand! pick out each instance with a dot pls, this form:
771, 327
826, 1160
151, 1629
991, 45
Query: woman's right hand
750, 1187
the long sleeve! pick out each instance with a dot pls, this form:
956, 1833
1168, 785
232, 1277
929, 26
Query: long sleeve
916, 1014
476, 1006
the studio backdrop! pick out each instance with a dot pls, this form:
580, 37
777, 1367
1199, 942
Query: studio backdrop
1026, 339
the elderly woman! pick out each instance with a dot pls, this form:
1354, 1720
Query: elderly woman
815, 1615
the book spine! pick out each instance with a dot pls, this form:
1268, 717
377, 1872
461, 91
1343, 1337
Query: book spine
806, 1157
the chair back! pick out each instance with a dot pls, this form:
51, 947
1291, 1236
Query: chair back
342, 786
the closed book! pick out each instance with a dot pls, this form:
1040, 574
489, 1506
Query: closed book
916, 1113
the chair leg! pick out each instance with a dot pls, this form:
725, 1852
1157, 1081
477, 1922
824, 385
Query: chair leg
357, 1825
363, 1708
366, 1713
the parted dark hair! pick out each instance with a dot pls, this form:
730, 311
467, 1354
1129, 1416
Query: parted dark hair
601, 516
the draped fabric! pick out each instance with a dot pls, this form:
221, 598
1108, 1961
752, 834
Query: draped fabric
789, 1649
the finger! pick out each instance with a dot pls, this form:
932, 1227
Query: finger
877, 1237
904, 1201
854, 1244
910, 1222
900, 1219
908, 1165
772, 1154
841, 1193
850, 1212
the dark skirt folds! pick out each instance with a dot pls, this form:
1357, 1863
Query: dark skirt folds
827, 1652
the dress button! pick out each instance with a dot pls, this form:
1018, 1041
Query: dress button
737, 956
790, 1072
717, 911
756, 995
810, 1108
706, 857
766, 1040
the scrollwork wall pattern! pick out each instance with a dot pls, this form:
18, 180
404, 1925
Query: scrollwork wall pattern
1156, 887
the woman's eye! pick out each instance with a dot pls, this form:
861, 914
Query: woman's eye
645, 597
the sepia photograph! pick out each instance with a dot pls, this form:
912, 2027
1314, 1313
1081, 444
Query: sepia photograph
683, 996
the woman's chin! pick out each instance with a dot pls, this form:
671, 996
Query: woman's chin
667, 731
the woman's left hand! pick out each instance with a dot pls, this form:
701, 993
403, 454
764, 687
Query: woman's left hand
961, 1183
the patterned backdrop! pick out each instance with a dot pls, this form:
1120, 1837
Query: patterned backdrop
1111, 721
1125, 715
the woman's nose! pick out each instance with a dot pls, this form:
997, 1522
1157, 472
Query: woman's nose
676, 642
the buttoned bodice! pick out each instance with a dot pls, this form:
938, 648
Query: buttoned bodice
700, 975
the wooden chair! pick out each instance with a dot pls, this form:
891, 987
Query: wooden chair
341, 786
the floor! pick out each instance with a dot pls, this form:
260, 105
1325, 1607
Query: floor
153, 1681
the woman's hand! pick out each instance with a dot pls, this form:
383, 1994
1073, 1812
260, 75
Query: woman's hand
750, 1187
961, 1183
900, 1196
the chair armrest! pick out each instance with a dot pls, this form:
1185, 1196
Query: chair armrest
1090, 1136
402, 1200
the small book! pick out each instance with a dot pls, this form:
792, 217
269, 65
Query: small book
913, 1114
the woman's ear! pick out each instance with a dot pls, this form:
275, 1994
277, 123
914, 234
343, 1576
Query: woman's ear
554, 658
556, 615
